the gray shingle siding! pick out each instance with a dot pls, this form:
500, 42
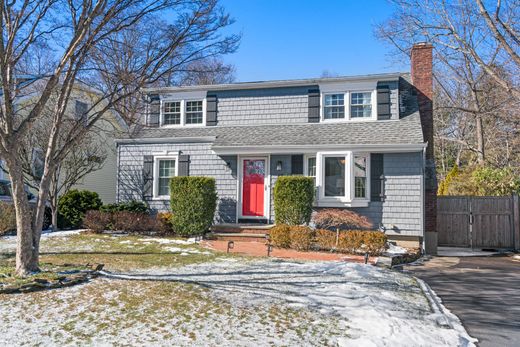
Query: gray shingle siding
402, 206
203, 162
263, 106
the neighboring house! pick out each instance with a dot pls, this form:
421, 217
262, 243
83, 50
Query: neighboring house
109, 127
360, 137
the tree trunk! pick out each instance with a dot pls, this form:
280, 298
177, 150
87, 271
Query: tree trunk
26, 263
480, 140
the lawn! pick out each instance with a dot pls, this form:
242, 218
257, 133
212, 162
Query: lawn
167, 292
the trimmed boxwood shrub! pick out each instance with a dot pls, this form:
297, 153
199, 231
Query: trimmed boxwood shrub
293, 198
280, 236
193, 201
125, 221
7, 218
301, 237
73, 205
325, 239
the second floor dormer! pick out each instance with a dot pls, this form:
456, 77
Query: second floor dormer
367, 98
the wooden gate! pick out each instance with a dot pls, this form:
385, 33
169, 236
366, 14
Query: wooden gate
479, 222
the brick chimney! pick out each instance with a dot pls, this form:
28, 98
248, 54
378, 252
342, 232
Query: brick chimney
422, 79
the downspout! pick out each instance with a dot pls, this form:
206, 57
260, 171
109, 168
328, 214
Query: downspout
423, 200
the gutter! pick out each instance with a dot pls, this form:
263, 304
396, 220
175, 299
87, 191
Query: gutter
383, 148
137, 141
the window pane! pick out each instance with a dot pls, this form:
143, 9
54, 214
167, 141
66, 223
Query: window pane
335, 176
193, 112
334, 112
166, 171
360, 187
360, 174
311, 167
334, 100
172, 113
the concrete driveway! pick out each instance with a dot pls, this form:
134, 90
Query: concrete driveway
484, 292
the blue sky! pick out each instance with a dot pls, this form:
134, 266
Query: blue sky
285, 39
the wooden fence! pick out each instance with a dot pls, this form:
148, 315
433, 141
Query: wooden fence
479, 222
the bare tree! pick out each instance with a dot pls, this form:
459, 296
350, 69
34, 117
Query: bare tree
87, 36
472, 52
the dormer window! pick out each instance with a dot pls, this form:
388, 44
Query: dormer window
334, 106
194, 112
172, 113
361, 105
183, 112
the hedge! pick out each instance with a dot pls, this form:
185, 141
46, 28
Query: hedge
193, 201
129, 206
73, 205
280, 236
293, 198
352, 241
126, 221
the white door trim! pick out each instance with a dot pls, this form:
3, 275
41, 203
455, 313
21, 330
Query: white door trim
267, 186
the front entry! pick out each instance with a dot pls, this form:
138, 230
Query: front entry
253, 187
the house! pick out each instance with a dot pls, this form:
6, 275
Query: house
101, 137
364, 139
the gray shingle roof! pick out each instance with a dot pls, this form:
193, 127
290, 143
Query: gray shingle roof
406, 130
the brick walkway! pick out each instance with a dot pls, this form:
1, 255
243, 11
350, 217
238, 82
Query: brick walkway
259, 249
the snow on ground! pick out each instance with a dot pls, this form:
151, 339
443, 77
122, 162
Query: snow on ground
378, 307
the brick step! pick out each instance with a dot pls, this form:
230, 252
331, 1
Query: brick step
241, 229
249, 237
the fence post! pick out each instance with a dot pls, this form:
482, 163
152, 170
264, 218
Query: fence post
516, 222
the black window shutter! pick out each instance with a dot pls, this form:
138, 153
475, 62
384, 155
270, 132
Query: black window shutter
297, 164
376, 177
184, 165
383, 103
154, 111
148, 177
314, 105
211, 110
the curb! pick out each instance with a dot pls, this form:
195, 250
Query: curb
436, 306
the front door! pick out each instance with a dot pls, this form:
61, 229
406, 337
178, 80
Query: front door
253, 187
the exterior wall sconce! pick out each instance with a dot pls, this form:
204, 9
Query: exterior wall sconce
279, 165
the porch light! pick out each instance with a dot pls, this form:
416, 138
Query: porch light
279, 165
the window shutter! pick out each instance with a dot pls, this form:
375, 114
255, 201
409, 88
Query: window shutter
148, 177
377, 177
184, 165
314, 105
297, 164
211, 110
154, 111
383, 103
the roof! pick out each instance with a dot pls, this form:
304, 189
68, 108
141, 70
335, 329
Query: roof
407, 130
278, 83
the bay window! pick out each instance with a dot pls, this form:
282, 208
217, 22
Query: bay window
341, 178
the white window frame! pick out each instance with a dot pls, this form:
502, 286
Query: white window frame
163, 113
349, 199
347, 104
156, 160
183, 112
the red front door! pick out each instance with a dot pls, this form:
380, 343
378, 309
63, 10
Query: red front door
253, 179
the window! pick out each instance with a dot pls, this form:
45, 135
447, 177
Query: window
81, 111
334, 106
165, 169
334, 177
361, 105
360, 177
172, 113
311, 167
183, 112
194, 112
